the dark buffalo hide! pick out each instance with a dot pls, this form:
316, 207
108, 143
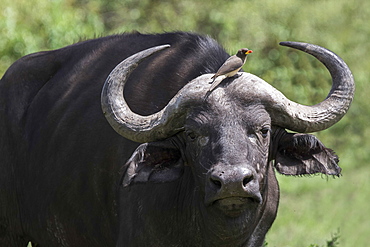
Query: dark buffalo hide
68, 179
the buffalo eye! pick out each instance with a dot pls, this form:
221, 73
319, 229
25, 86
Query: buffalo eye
191, 135
265, 132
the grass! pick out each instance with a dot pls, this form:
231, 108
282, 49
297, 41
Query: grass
313, 208
333, 242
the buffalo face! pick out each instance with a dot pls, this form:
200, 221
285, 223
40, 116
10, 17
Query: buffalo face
227, 149
220, 159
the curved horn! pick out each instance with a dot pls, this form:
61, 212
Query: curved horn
115, 108
133, 126
321, 116
284, 113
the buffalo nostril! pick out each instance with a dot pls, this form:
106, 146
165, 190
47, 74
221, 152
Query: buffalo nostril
216, 182
247, 180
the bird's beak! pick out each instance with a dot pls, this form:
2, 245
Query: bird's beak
249, 51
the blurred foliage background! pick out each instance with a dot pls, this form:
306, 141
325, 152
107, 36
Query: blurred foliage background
312, 209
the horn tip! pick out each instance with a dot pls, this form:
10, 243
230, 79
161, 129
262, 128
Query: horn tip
284, 43
297, 45
165, 46
158, 48
291, 43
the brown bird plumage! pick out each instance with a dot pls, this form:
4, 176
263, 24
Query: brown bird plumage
230, 67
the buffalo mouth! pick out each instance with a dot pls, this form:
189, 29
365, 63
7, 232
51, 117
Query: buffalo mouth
236, 205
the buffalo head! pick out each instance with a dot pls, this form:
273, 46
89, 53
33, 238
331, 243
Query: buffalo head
216, 153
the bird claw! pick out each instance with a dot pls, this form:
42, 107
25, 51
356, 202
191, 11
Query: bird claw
237, 75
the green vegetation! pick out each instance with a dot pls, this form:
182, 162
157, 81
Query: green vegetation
334, 241
311, 208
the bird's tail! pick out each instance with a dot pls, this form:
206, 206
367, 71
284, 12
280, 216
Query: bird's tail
213, 86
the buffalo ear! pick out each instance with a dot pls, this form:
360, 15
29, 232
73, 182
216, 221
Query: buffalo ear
155, 162
301, 154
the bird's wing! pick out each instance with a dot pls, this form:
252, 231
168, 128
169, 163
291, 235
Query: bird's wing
231, 64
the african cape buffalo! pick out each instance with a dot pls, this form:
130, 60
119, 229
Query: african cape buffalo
73, 171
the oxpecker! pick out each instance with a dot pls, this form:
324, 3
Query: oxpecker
230, 67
